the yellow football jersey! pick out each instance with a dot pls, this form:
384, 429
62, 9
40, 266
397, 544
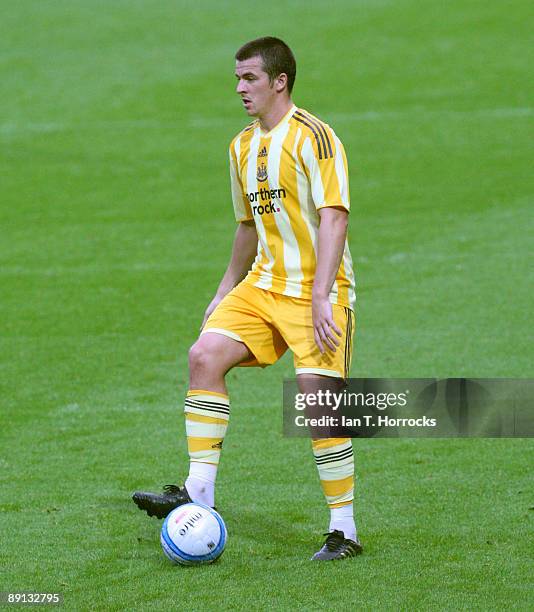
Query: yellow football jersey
280, 179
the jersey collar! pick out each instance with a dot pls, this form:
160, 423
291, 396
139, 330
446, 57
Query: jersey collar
280, 124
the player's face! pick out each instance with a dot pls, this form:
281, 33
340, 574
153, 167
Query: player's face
257, 93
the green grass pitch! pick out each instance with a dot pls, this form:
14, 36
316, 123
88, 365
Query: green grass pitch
116, 225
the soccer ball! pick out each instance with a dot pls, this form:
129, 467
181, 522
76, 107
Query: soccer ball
193, 534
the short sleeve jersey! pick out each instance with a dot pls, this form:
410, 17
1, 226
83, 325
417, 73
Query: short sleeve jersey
280, 179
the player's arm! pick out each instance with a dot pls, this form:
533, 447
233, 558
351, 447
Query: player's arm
331, 243
244, 251
325, 164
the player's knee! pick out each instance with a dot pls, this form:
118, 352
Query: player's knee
200, 357
197, 357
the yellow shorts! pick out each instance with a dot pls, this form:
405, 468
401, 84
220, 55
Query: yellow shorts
269, 323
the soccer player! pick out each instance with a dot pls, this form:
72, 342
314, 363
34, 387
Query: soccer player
289, 284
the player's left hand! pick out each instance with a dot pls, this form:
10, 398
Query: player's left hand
324, 326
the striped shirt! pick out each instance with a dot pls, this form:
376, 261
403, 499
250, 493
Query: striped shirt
280, 179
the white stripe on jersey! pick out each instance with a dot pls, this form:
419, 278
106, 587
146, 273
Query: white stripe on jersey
292, 263
236, 190
313, 170
266, 279
307, 207
237, 149
341, 175
349, 272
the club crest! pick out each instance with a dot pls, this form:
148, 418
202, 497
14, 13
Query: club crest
261, 175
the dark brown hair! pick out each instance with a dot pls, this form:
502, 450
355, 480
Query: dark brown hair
277, 57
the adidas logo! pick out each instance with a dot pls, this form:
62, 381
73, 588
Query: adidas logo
217, 445
263, 152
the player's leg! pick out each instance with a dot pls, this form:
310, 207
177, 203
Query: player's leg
333, 456
241, 319
207, 409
